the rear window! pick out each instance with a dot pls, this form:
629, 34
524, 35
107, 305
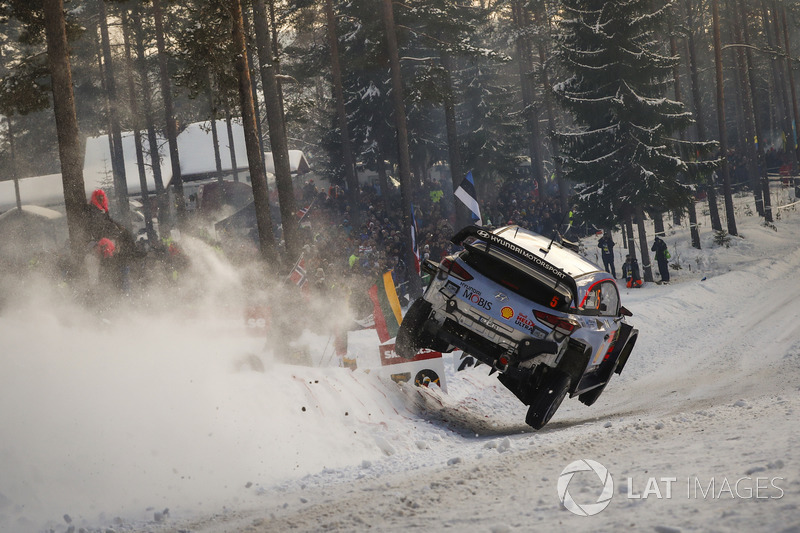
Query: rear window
518, 277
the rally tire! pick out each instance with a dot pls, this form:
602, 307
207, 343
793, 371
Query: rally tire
588, 398
410, 337
547, 399
606, 371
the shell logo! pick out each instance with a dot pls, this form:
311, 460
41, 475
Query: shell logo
507, 313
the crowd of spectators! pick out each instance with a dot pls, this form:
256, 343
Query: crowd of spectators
339, 253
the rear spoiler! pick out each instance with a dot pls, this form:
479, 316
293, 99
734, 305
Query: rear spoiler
527, 256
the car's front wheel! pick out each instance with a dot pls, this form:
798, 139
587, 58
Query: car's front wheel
411, 337
547, 399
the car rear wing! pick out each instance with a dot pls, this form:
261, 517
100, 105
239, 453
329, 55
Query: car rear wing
556, 274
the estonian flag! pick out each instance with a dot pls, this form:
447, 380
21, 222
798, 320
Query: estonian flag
386, 307
466, 193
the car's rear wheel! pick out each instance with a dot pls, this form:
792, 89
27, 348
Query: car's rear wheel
411, 337
547, 399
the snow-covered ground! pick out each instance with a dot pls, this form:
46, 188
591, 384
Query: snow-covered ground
147, 421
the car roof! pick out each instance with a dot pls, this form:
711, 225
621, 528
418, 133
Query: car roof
558, 256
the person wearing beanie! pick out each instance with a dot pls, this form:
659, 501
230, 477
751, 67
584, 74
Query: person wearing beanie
110, 240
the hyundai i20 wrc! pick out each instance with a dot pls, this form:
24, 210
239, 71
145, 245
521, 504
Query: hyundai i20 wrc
545, 318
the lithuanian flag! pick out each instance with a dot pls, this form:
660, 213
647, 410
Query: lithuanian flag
386, 307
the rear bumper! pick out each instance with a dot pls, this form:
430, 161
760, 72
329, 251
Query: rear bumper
497, 345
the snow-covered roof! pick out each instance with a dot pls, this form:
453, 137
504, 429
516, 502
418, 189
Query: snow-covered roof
97, 163
195, 148
33, 210
40, 190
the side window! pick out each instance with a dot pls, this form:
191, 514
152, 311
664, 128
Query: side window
609, 296
593, 298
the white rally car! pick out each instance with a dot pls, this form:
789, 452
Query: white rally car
548, 320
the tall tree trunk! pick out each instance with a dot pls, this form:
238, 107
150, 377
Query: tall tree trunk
790, 75
277, 135
697, 101
658, 224
276, 52
147, 104
12, 160
404, 160
779, 103
529, 111
751, 137
647, 268
723, 134
630, 242
693, 229
258, 177
231, 143
214, 132
69, 146
253, 80
759, 131
344, 131
457, 174
789, 133
563, 186
137, 132
676, 79
169, 114
117, 155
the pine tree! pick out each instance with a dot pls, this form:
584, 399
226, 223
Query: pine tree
623, 155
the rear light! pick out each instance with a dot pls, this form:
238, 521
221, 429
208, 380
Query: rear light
611, 348
561, 325
449, 265
509, 285
608, 353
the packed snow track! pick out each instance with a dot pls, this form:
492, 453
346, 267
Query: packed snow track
207, 431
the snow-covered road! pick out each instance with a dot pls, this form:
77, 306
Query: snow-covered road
699, 433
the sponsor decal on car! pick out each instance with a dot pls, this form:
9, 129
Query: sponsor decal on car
507, 313
524, 322
530, 256
473, 296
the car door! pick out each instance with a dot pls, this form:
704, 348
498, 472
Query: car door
601, 307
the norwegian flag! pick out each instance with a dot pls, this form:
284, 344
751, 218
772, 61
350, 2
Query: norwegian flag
298, 274
414, 239
302, 215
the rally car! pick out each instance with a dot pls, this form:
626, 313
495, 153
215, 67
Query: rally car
544, 317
